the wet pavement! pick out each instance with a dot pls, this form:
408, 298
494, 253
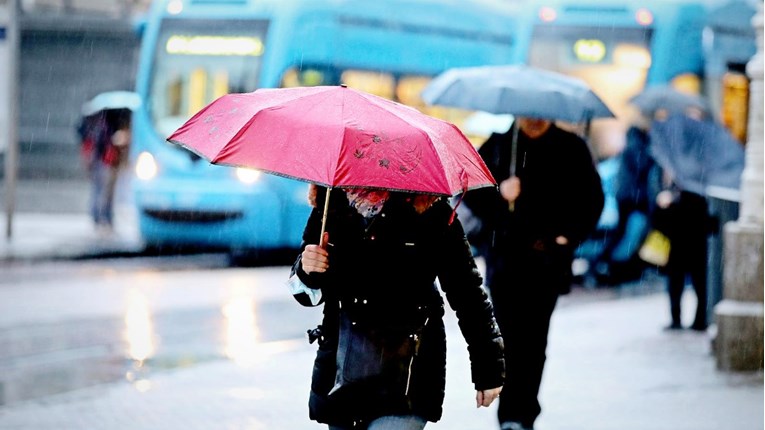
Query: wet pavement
610, 366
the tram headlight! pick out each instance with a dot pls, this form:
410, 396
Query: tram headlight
174, 7
247, 176
644, 17
145, 166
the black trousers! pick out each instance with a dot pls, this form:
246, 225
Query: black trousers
687, 232
524, 292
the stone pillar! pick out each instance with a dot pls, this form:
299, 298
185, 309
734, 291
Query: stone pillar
739, 316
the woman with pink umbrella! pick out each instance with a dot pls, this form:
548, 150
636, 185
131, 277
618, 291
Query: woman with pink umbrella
381, 362
381, 234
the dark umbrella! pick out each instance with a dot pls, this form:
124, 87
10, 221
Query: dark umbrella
697, 153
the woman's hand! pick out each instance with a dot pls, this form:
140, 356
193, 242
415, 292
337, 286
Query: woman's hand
315, 257
485, 397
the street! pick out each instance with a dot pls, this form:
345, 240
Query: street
188, 342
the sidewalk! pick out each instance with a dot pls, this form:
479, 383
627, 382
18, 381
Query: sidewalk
610, 367
51, 222
45, 236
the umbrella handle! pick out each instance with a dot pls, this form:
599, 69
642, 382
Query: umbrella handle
513, 159
324, 218
511, 204
514, 150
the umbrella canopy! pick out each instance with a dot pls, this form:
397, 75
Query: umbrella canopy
111, 100
665, 97
734, 17
518, 90
335, 137
697, 154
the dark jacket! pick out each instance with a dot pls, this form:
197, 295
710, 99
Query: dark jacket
392, 263
561, 195
638, 179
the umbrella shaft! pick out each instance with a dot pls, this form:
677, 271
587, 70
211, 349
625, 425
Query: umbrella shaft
324, 217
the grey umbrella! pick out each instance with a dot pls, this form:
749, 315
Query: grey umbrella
518, 90
665, 97
111, 100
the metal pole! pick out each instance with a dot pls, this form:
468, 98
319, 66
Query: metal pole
11, 152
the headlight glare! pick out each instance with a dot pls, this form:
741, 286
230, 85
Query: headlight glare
146, 167
247, 176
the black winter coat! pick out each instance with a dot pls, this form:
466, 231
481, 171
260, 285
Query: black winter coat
561, 195
392, 263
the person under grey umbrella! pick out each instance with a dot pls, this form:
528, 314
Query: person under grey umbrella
557, 197
694, 153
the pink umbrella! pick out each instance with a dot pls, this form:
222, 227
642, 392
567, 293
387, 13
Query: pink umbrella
335, 137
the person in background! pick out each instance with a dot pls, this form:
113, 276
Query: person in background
686, 223
105, 139
381, 360
541, 214
637, 184
683, 216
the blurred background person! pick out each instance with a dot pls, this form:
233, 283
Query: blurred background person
105, 139
694, 152
637, 182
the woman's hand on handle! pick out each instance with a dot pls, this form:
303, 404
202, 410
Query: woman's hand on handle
315, 257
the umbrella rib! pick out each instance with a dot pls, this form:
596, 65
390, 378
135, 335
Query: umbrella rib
191, 149
345, 130
275, 173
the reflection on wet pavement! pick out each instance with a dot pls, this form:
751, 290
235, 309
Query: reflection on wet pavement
239, 320
126, 322
242, 336
139, 330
